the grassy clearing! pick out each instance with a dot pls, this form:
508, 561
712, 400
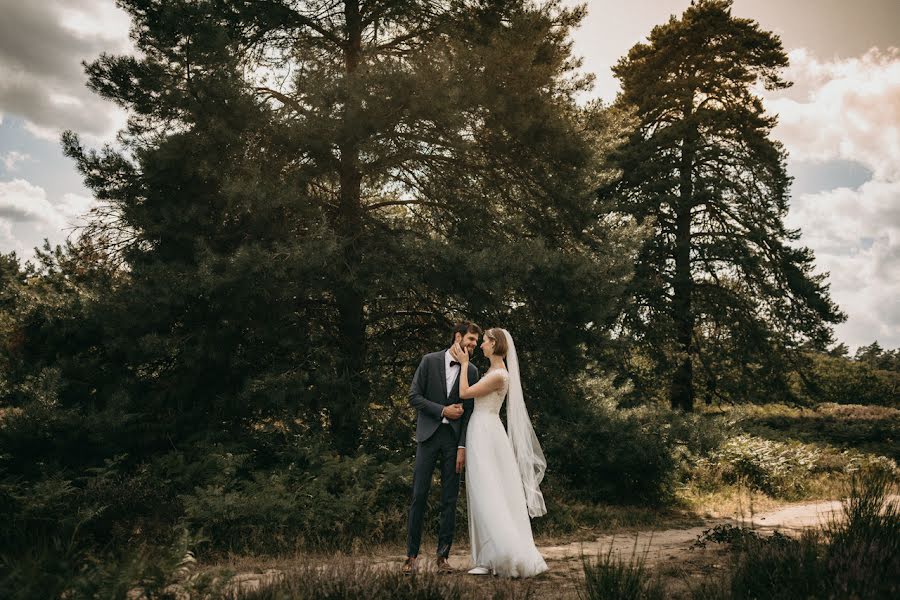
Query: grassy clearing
777, 453
864, 428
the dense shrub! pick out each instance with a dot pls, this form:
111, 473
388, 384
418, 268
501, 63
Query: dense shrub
610, 455
317, 500
60, 561
628, 455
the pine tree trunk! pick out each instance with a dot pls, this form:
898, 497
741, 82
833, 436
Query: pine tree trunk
681, 393
347, 411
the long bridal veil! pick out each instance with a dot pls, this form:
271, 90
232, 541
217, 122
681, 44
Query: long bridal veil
526, 447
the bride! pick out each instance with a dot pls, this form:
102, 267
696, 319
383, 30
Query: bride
502, 471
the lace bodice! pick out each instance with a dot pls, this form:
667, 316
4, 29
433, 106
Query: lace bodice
491, 403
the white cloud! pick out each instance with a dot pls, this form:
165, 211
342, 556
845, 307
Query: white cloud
12, 159
851, 110
42, 45
855, 234
8, 241
27, 216
75, 206
21, 201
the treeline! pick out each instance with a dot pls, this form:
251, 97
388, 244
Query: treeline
870, 376
308, 194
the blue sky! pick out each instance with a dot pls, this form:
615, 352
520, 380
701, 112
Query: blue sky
840, 123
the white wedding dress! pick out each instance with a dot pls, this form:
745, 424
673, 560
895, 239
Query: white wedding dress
499, 523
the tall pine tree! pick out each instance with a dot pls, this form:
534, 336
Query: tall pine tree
312, 191
721, 293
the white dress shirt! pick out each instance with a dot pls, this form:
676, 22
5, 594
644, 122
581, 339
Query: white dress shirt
452, 374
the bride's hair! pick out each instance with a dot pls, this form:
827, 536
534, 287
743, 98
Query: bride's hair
496, 335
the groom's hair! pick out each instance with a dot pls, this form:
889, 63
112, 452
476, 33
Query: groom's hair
462, 328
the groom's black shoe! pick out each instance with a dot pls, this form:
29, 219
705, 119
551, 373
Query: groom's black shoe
443, 565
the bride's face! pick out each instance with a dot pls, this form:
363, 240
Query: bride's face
487, 346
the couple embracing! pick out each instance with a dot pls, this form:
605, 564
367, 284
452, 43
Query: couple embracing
459, 427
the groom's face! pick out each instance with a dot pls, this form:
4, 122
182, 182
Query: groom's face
468, 342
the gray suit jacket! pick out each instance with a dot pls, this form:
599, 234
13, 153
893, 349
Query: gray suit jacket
428, 395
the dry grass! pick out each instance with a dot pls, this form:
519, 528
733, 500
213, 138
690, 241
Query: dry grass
731, 501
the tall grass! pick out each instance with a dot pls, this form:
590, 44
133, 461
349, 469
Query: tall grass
610, 577
349, 581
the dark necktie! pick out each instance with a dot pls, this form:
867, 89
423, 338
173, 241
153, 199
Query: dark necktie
453, 363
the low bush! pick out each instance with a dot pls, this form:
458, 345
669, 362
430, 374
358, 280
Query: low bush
63, 563
736, 536
636, 456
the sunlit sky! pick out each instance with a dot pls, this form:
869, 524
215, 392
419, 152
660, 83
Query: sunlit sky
840, 123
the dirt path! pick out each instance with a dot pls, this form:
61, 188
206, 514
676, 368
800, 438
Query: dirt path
668, 543
667, 552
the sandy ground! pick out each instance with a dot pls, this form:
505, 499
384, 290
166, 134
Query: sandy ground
666, 552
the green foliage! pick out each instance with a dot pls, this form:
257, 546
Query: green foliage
628, 455
877, 357
318, 500
55, 540
610, 577
619, 457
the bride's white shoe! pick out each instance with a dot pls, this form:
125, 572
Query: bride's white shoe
479, 571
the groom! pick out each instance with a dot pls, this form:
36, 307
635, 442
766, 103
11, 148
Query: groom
440, 439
